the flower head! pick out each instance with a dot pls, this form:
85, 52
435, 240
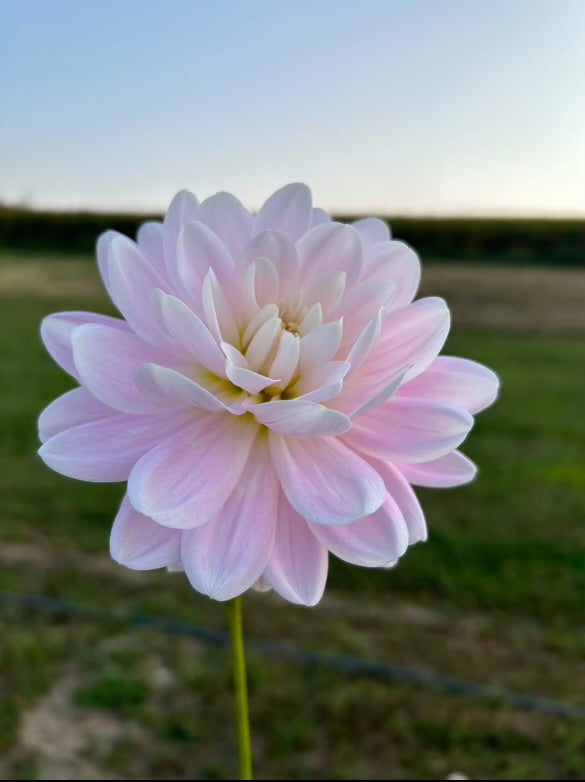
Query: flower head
270, 395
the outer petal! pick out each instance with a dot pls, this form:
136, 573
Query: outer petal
73, 408
168, 388
149, 239
399, 263
107, 359
410, 430
225, 215
372, 230
282, 254
132, 280
139, 543
411, 337
330, 247
370, 542
454, 469
56, 333
288, 210
455, 380
105, 450
297, 568
404, 497
225, 557
185, 480
325, 481
189, 331
184, 208
198, 250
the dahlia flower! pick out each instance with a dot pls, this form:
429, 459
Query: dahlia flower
270, 395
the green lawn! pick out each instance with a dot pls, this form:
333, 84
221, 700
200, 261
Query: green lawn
496, 595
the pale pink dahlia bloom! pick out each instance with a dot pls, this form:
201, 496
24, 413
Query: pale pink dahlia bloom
270, 395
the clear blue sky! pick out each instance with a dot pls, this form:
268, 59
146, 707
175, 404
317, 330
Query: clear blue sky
382, 106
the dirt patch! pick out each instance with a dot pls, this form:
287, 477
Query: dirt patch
518, 300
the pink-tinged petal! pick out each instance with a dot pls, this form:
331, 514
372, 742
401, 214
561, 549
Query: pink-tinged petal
132, 281
240, 374
372, 230
286, 359
454, 469
71, 409
102, 249
297, 568
167, 388
312, 320
371, 541
184, 208
149, 239
198, 250
140, 543
227, 556
189, 331
322, 382
56, 333
282, 254
105, 450
266, 282
330, 247
288, 210
399, 263
319, 217
361, 303
217, 310
320, 345
410, 430
225, 215
300, 419
366, 402
325, 481
263, 343
106, 359
364, 344
406, 500
411, 336
328, 291
186, 479
456, 380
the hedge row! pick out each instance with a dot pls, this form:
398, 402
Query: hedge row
464, 239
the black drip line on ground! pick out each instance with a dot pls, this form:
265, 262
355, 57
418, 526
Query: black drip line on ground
308, 657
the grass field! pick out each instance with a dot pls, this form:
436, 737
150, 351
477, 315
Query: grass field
496, 596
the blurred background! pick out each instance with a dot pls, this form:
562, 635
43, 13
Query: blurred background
464, 125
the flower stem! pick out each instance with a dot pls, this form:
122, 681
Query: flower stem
240, 688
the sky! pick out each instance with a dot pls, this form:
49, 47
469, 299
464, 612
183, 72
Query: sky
427, 107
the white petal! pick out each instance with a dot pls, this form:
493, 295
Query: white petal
286, 359
218, 313
328, 290
240, 374
198, 250
320, 345
281, 253
330, 247
189, 331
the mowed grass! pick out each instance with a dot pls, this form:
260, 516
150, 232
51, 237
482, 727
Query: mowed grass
495, 596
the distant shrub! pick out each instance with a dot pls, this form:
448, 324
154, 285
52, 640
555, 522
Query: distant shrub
506, 240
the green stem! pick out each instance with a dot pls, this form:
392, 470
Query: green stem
241, 692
